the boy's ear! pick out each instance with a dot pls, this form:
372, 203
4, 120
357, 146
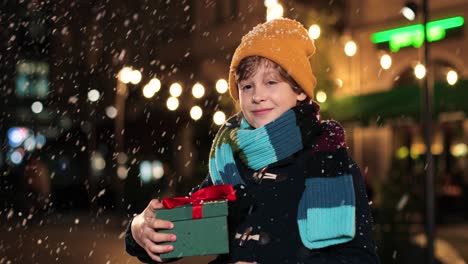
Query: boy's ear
301, 97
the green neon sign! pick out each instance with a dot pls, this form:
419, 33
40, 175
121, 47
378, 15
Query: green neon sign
414, 35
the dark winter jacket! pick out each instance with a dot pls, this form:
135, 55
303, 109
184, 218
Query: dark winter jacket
268, 208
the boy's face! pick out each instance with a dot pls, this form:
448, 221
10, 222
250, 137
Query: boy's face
265, 96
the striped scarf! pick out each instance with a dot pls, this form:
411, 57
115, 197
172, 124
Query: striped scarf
326, 212
263, 146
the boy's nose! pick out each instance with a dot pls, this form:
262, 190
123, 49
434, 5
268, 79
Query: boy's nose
256, 99
258, 95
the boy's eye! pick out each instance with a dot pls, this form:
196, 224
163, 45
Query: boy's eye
245, 87
271, 82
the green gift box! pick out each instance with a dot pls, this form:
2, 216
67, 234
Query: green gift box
207, 235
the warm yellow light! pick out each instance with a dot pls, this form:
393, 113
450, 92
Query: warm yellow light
452, 77
148, 91
402, 152
275, 11
270, 3
125, 75
219, 117
408, 13
350, 48
339, 83
155, 84
417, 149
437, 149
314, 31
196, 112
135, 77
386, 61
221, 86
175, 89
321, 96
459, 150
172, 103
198, 90
151, 88
420, 71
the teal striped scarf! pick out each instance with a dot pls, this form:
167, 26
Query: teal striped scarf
326, 213
257, 148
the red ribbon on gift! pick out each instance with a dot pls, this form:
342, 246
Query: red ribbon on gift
210, 193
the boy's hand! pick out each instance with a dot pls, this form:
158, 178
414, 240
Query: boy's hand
144, 230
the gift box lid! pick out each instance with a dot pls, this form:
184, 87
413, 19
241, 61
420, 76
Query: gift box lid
210, 209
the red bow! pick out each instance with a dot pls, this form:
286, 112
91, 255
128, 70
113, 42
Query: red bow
210, 193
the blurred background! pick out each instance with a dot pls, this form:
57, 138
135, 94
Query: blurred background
107, 104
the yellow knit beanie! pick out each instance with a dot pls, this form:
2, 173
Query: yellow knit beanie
283, 41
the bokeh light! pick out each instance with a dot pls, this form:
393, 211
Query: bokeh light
274, 11
420, 71
221, 86
97, 162
350, 48
148, 91
155, 84
314, 31
125, 75
135, 77
270, 3
175, 89
385, 61
93, 95
339, 83
37, 107
196, 112
111, 112
452, 77
321, 96
219, 117
158, 169
172, 103
198, 90
122, 172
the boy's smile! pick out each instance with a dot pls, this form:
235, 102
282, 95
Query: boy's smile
265, 96
262, 111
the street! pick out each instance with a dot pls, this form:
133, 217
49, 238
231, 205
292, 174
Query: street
68, 239
86, 238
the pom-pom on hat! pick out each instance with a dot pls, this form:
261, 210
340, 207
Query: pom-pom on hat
283, 41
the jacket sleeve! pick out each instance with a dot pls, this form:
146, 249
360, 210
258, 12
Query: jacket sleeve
132, 247
362, 248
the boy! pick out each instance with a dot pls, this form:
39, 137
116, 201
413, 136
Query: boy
301, 199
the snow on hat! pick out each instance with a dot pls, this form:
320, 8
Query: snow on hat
283, 41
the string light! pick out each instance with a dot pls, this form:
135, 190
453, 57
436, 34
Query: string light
196, 112
221, 86
314, 31
385, 61
172, 103
198, 90
420, 71
452, 77
350, 48
175, 89
219, 117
